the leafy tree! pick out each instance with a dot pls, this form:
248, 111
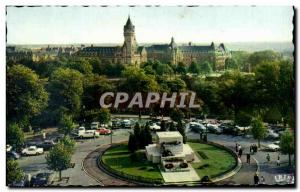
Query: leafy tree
15, 136
132, 147
26, 94
68, 143
231, 64
66, 88
259, 131
163, 126
181, 68
13, 172
287, 144
205, 68
243, 119
59, 158
172, 127
94, 87
83, 66
256, 58
104, 115
137, 77
194, 68
148, 136
176, 115
66, 125
181, 129
176, 85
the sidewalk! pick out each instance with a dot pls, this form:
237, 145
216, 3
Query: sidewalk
244, 176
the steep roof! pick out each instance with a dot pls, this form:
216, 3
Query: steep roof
194, 48
107, 51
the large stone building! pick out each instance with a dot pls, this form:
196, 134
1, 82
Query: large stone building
128, 53
131, 53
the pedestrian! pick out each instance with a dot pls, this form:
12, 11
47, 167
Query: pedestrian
248, 158
268, 158
256, 179
278, 161
236, 148
239, 147
262, 180
240, 153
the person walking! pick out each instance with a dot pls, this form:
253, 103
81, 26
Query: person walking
262, 180
240, 152
236, 147
256, 179
278, 160
248, 158
268, 158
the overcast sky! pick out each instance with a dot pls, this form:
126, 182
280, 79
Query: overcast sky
59, 25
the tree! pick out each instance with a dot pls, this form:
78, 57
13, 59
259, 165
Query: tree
66, 125
172, 127
66, 88
59, 158
104, 115
176, 115
176, 85
13, 172
231, 64
181, 130
259, 131
68, 143
181, 68
256, 58
26, 93
83, 66
148, 136
243, 119
132, 147
194, 68
163, 126
15, 136
287, 144
205, 68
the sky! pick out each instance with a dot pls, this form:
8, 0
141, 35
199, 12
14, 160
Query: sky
65, 25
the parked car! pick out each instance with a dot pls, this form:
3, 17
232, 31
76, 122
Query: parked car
197, 127
273, 147
154, 126
41, 179
126, 123
116, 123
32, 150
272, 135
47, 144
228, 128
88, 134
94, 125
214, 128
103, 131
12, 155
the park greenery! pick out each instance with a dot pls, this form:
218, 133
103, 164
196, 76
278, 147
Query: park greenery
59, 157
65, 90
13, 172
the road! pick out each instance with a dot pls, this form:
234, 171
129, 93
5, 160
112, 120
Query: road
267, 170
77, 176
73, 176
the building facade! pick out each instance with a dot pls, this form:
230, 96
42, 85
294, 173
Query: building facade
131, 53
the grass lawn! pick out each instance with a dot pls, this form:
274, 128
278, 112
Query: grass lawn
119, 159
214, 160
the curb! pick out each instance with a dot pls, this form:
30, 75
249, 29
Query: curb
82, 166
230, 174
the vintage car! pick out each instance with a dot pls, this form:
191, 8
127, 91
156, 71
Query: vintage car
32, 150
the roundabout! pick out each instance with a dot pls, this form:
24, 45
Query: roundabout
117, 166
